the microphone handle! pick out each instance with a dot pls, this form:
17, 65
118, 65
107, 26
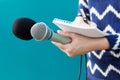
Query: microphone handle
59, 38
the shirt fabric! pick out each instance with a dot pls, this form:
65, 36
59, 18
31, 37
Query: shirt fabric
104, 64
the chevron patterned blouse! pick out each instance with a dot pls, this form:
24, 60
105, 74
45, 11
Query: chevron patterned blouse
104, 64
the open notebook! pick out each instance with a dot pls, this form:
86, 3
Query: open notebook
86, 30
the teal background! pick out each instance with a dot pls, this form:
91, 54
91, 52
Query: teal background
32, 60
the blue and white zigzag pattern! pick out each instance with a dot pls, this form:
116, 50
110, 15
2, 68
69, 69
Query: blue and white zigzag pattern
109, 28
99, 56
115, 55
109, 8
83, 3
117, 43
104, 73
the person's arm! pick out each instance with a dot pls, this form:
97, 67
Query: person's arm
81, 44
113, 39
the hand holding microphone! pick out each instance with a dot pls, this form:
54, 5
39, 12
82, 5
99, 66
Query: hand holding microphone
27, 29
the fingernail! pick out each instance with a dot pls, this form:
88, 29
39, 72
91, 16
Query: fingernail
52, 42
58, 31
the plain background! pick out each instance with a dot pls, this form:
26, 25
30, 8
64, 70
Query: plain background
32, 60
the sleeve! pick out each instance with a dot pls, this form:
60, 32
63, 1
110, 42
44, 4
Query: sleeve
114, 41
83, 5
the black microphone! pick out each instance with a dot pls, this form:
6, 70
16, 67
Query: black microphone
21, 28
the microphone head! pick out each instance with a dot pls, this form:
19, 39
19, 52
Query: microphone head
21, 28
40, 31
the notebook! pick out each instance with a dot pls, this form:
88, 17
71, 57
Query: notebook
82, 29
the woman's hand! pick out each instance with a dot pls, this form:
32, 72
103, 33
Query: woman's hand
81, 44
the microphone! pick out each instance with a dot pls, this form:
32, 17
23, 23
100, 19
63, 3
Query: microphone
21, 28
40, 31
27, 29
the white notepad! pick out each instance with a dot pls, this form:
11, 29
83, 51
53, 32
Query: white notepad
86, 30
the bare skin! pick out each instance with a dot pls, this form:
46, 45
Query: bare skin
81, 44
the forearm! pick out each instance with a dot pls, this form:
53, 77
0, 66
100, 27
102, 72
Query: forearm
93, 44
100, 44
81, 44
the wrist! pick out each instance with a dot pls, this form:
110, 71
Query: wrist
101, 44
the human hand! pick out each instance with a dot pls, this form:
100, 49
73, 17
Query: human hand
79, 45
78, 20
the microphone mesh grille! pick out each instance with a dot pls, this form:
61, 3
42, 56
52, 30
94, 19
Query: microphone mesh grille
39, 31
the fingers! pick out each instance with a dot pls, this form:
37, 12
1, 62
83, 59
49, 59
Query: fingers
69, 48
78, 20
58, 45
69, 52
